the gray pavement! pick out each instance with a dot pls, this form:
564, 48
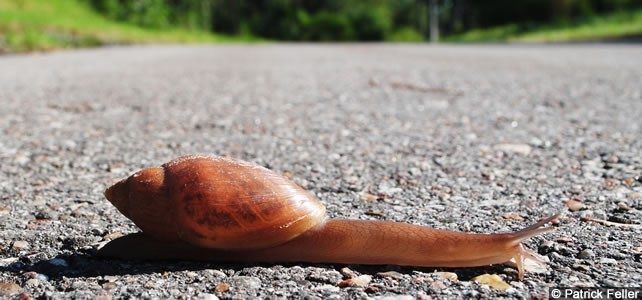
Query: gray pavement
469, 138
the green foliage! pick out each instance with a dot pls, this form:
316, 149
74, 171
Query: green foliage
326, 26
148, 13
46, 24
599, 27
364, 20
28, 25
371, 23
406, 34
624, 24
275, 19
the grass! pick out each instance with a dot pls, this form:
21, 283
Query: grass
611, 26
41, 25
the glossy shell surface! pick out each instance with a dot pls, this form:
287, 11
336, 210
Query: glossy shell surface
223, 203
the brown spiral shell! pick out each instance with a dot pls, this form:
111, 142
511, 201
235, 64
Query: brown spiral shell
216, 202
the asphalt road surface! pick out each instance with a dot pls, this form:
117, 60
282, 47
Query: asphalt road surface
468, 138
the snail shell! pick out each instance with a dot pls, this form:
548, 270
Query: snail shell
216, 202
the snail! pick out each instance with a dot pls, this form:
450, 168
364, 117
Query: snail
225, 210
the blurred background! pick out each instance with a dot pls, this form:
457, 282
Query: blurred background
28, 25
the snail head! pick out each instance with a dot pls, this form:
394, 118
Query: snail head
118, 195
141, 198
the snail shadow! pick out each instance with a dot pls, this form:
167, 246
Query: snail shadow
135, 254
88, 265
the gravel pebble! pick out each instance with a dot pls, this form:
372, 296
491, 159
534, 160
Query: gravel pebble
246, 282
586, 254
608, 261
20, 245
9, 288
492, 280
522, 149
358, 281
206, 296
447, 275
391, 274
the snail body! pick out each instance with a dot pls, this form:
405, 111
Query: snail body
221, 209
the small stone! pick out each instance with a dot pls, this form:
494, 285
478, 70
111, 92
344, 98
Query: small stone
582, 268
7, 261
222, 287
600, 214
422, 278
376, 213
414, 171
373, 289
492, 280
347, 273
326, 288
421, 295
629, 181
359, 281
518, 284
32, 283
623, 206
447, 275
8, 288
522, 149
323, 276
532, 266
635, 196
58, 262
586, 215
42, 215
574, 205
513, 216
20, 245
4, 210
217, 273
610, 183
22, 159
38, 276
24, 296
438, 285
352, 180
103, 297
586, 253
390, 274
608, 261
247, 282
112, 236
388, 190
367, 197
108, 286
608, 282
206, 296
